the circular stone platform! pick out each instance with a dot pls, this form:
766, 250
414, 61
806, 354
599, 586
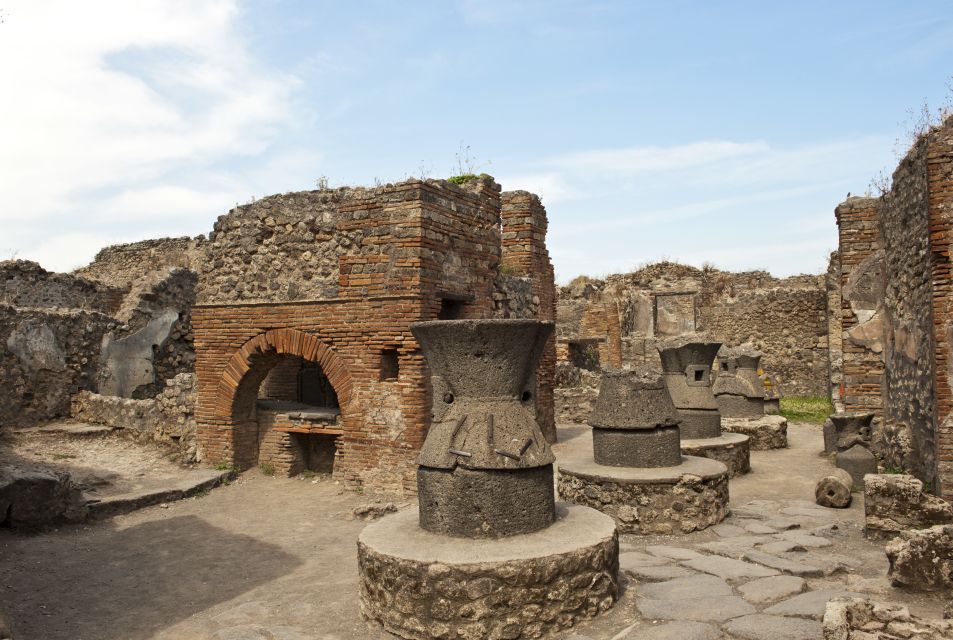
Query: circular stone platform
663, 500
422, 585
733, 449
766, 432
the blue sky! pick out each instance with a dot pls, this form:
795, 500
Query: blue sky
695, 131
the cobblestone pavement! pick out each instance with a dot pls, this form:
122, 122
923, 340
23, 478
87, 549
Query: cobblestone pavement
275, 559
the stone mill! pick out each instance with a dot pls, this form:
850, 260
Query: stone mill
637, 473
686, 367
485, 551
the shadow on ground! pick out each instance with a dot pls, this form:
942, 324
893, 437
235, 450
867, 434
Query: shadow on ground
134, 582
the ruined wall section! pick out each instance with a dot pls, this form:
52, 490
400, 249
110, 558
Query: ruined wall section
628, 313
26, 284
524, 253
282, 248
907, 330
787, 324
939, 161
835, 338
46, 356
122, 264
861, 314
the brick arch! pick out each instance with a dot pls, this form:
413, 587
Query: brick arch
247, 368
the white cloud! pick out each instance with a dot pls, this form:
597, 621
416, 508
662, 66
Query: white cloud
740, 205
108, 104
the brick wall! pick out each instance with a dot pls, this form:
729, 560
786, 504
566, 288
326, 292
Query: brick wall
861, 280
410, 247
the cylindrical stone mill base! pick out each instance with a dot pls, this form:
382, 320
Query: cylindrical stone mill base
665, 500
636, 447
699, 423
427, 586
731, 449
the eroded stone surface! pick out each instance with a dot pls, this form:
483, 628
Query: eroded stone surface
810, 604
729, 568
784, 565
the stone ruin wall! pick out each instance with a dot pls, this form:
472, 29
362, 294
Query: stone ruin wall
125, 334
623, 317
122, 264
897, 311
835, 338
907, 328
26, 284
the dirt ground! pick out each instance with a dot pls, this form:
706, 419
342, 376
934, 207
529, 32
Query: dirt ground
275, 559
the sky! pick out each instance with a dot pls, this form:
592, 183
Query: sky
696, 131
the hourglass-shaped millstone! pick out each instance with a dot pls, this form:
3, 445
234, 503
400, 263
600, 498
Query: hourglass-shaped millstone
634, 422
486, 470
686, 365
738, 389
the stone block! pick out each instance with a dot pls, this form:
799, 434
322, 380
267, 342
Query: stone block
896, 502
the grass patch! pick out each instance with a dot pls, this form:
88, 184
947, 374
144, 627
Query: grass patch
266, 469
806, 408
226, 466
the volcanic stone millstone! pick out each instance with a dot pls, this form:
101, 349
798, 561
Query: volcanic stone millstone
485, 503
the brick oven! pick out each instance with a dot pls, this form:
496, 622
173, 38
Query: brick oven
304, 355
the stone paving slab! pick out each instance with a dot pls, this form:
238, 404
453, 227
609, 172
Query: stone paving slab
783, 524
784, 565
678, 630
805, 539
699, 608
766, 627
687, 588
728, 568
732, 547
758, 528
674, 553
637, 560
658, 573
810, 604
726, 530
782, 546
771, 589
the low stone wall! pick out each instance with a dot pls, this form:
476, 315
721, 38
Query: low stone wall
27, 284
863, 619
169, 417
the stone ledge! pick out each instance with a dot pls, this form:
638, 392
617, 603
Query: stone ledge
732, 449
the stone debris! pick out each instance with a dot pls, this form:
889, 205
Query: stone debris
863, 619
373, 510
922, 558
896, 502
